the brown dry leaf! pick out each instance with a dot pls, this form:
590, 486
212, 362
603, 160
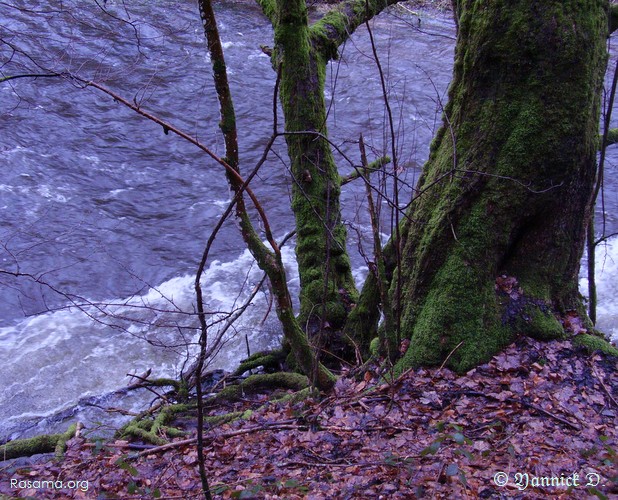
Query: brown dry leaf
375, 448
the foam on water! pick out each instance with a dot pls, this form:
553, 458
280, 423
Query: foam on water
56, 359
606, 276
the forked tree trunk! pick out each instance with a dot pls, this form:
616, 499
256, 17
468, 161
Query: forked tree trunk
301, 54
497, 229
324, 267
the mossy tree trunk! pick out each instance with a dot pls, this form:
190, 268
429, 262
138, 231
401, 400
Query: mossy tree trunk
324, 266
268, 259
495, 235
301, 54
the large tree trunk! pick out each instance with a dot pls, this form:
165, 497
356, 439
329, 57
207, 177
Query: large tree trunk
497, 229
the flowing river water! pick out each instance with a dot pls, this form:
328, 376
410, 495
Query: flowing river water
105, 216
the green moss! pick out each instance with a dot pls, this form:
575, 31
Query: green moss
135, 431
315, 300
61, 445
613, 18
261, 382
323, 264
228, 124
612, 135
336, 314
47, 443
291, 363
374, 346
321, 34
269, 360
363, 319
512, 197
594, 343
542, 324
296, 397
216, 420
152, 429
456, 319
459, 316
294, 381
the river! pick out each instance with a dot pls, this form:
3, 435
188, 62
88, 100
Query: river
105, 216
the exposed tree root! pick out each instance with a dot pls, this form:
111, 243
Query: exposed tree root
292, 398
153, 426
155, 430
595, 343
255, 383
269, 360
47, 443
180, 387
217, 420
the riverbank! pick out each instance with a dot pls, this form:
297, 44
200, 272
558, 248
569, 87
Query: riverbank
542, 415
424, 431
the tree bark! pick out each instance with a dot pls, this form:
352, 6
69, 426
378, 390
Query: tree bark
269, 260
323, 263
46, 443
497, 229
301, 54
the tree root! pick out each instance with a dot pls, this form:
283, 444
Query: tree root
153, 430
226, 418
217, 420
269, 360
46, 443
179, 387
595, 343
255, 383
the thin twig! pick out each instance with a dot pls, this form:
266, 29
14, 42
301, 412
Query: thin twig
451, 353
609, 395
527, 405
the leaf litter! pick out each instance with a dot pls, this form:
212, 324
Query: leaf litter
537, 412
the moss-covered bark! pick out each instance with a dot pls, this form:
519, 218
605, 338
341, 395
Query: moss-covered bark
323, 263
154, 429
612, 136
46, 443
301, 54
269, 260
264, 381
362, 325
271, 361
506, 193
595, 343
613, 18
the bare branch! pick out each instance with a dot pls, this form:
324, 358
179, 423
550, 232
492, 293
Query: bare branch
31, 75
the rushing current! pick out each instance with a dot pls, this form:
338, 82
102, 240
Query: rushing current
105, 216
